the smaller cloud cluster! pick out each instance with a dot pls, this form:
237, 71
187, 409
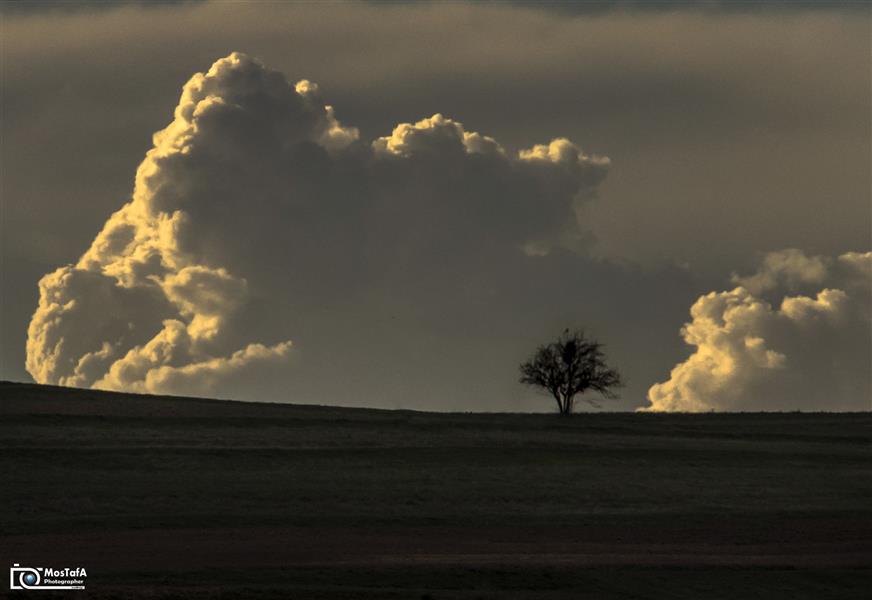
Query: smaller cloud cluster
794, 335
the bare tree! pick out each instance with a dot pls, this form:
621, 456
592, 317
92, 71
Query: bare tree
571, 366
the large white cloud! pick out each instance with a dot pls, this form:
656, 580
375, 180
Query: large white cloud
794, 335
257, 208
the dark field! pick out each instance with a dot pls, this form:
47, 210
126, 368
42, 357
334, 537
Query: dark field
183, 498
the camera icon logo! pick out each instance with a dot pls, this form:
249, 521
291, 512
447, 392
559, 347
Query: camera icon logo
24, 578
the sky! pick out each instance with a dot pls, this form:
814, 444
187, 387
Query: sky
392, 204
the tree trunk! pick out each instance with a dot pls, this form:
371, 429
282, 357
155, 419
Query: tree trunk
566, 406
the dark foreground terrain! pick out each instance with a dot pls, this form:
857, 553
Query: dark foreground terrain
183, 498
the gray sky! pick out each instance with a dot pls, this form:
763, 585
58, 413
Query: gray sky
732, 132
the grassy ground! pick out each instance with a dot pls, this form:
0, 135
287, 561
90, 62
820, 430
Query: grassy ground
168, 497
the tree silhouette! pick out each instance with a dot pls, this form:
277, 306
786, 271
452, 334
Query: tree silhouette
568, 367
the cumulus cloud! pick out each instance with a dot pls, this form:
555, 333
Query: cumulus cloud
258, 214
794, 335
788, 270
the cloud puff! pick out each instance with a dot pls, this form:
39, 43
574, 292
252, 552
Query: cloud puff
759, 347
258, 214
788, 270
